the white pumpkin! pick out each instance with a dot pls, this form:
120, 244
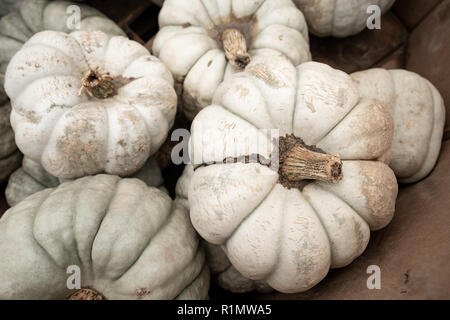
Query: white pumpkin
339, 18
32, 178
29, 17
418, 111
119, 118
273, 226
10, 157
225, 274
129, 240
33, 16
203, 42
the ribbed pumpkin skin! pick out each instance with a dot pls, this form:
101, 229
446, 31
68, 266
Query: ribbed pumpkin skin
339, 18
73, 135
290, 237
130, 241
23, 19
189, 42
418, 111
223, 272
33, 16
32, 178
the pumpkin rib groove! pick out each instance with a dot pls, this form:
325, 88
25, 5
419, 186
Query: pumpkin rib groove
297, 85
280, 239
266, 107
257, 9
225, 243
161, 227
91, 264
245, 218
74, 211
36, 212
114, 194
204, 270
198, 254
163, 224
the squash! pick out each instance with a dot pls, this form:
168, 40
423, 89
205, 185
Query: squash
29, 17
32, 178
202, 42
418, 111
89, 103
130, 241
287, 178
33, 16
224, 273
339, 18
10, 157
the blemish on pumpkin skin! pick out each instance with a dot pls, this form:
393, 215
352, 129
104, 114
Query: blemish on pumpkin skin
243, 92
209, 63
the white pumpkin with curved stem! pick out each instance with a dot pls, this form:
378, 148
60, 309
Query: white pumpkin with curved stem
129, 240
272, 227
119, 118
339, 18
419, 117
195, 43
225, 274
32, 178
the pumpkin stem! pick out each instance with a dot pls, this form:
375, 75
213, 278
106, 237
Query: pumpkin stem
98, 85
299, 161
235, 48
86, 294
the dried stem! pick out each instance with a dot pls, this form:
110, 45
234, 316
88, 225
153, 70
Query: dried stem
301, 162
235, 48
86, 294
98, 85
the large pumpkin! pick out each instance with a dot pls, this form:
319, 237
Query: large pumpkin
288, 225
419, 117
129, 240
32, 178
88, 102
202, 42
339, 18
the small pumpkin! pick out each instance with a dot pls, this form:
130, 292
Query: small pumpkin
202, 42
288, 225
32, 178
88, 103
129, 240
224, 273
418, 111
10, 157
339, 18
33, 16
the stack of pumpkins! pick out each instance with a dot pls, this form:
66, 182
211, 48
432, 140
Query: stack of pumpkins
293, 163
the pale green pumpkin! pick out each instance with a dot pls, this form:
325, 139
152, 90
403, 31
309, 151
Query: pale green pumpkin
129, 240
